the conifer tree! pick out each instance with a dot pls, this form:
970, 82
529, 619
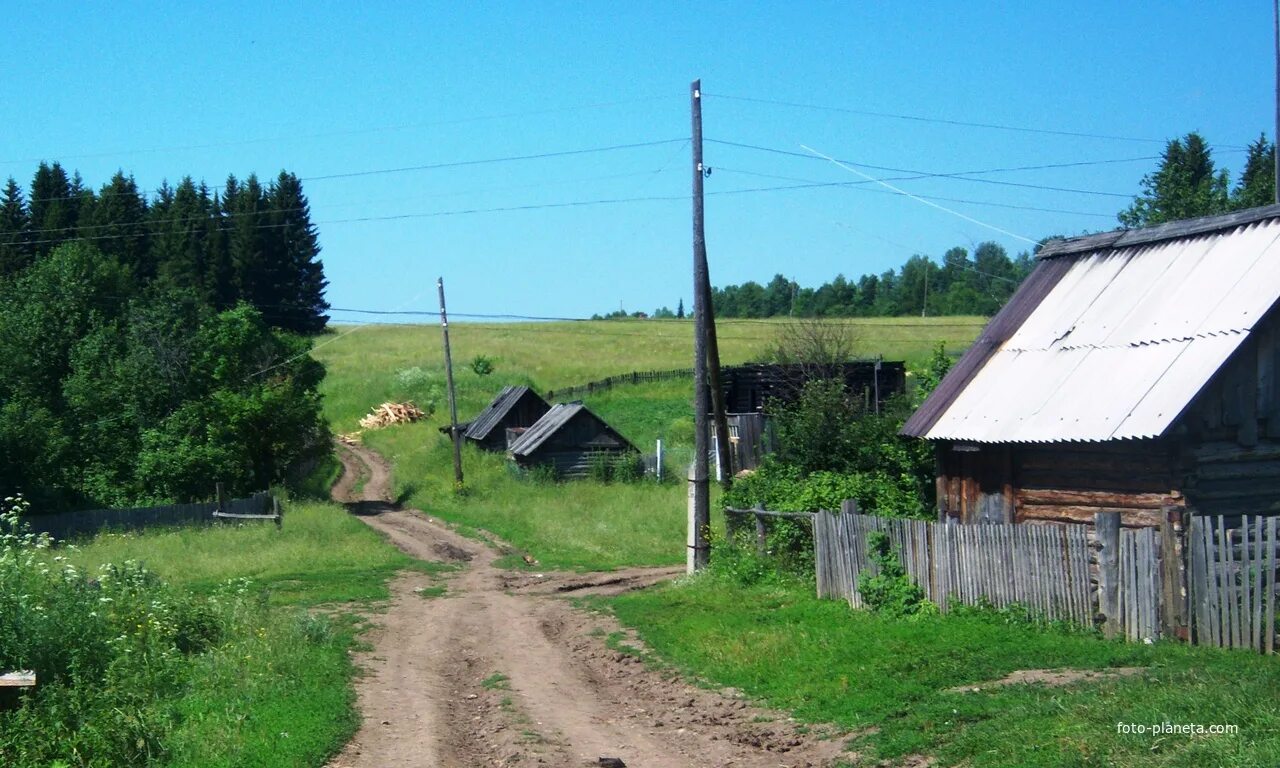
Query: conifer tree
1186, 185
15, 226
120, 226
299, 269
52, 208
1257, 184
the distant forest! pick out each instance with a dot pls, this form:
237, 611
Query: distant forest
155, 344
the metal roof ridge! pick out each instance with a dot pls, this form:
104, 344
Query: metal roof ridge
1172, 230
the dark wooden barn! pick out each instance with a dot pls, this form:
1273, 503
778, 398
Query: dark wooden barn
567, 438
748, 388
514, 408
1133, 371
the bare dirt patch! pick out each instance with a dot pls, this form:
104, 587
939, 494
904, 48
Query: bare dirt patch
1050, 678
507, 672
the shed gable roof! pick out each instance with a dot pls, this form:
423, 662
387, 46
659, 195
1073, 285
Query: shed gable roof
1113, 335
493, 414
553, 421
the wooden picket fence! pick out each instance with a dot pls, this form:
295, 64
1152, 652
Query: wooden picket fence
1045, 568
1232, 582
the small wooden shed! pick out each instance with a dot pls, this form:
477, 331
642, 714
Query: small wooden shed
567, 437
514, 408
1132, 371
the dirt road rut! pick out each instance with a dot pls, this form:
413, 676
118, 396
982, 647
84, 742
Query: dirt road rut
500, 670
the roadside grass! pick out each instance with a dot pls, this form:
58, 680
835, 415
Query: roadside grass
275, 690
580, 524
321, 555
829, 663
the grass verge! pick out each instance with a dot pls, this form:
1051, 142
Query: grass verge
829, 663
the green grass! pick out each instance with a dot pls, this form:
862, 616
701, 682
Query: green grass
829, 663
571, 525
362, 364
322, 554
581, 524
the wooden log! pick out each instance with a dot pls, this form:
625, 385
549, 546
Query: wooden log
19, 679
1131, 518
1053, 497
1107, 527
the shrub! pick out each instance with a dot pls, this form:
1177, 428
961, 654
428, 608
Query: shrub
419, 386
890, 591
482, 365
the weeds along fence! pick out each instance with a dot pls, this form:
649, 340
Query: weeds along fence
69, 525
1211, 582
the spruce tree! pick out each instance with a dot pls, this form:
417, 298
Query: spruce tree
1257, 184
299, 270
15, 226
120, 226
52, 208
1186, 185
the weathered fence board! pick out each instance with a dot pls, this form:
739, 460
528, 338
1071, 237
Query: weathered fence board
1041, 567
67, 525
1232, 582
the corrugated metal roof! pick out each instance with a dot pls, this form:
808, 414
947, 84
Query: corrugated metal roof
492, 415
1123, 341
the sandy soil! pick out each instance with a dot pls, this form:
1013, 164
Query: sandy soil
503, 670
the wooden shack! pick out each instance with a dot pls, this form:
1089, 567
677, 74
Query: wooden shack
1133, 371
514, 408
748, 388
567, 437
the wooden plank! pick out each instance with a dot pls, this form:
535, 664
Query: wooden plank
1269, 624
1226, 589
1107, 529
20, 679
1213, 607
1246, 602
1258, 565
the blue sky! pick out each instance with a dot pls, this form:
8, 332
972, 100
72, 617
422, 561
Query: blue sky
163, 90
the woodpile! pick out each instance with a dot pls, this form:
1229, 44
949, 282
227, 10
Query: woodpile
350, 438
391, 413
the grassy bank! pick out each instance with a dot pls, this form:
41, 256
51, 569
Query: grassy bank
889, 678
213, 661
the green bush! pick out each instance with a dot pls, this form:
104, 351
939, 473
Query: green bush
115, 652
482, 365
890, 591
786, 488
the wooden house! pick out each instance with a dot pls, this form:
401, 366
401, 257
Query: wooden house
515, 408
567, 438
1132, 371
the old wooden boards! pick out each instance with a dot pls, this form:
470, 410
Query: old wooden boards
1232, 582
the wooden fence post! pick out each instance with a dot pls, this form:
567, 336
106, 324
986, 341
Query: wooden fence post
221, 492
1173, 593
1107, 528
762, 535
275, 506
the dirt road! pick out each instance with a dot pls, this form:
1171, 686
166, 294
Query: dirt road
502, 670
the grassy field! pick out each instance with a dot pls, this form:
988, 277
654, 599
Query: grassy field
321, 555
583, 524
890, 678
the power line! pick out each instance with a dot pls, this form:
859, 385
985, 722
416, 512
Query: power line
960, 176
353, 132
947, 121
921, 200
487, 161
860, 186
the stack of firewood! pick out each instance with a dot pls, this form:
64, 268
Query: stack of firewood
391, 413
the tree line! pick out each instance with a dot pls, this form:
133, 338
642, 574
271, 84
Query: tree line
155, 345
1186, 184
245, 242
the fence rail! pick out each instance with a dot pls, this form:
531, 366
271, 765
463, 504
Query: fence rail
635, 377
67, 525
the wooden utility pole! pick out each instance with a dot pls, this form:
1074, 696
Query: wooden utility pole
718, 413
453, 400
699, 493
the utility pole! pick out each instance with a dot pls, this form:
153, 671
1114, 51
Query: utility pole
724, 462
453, 400
1275, 138
699, 493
